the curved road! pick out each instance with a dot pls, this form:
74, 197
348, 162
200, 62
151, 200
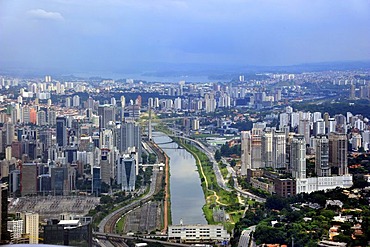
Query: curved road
132, 205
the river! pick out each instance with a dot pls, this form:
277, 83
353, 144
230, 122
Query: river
187, 198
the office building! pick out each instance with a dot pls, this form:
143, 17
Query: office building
129, 135
105, 166
338, 149
61, 122
106, 113
62, 180
28, 179
126, 172
96, 181
322, 167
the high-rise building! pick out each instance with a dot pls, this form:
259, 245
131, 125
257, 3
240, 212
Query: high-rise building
105, 166
298, 156
319, 127
338, 149
129, 135
352, 94
322, 167
59, 181
331, 126
279, 150
284, 120
210, 102
9, 132
76, 100
356, 141
245, 152
304, 129
267, 147
366, 140
4, 234
52, 117
113, 101
106, 114
61, 122
256, 145
126, 172
28, 179
31, 226
96, 181
41, 118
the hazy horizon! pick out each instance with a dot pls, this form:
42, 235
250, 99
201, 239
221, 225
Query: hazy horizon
138, 36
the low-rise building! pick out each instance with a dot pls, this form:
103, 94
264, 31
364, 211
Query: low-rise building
285, 187
198, 233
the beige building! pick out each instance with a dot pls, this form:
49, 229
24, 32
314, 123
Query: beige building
31, 226
338, 152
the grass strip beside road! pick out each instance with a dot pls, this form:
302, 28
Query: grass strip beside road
214, 194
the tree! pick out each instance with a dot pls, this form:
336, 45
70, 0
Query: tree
144, 158
233, 163
217, 155
152, 158
277, 202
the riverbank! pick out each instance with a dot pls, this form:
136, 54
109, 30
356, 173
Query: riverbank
216, 197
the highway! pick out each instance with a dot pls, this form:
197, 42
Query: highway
108, 223
245, 237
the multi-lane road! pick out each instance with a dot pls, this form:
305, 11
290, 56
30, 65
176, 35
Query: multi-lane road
245, 239
108, 223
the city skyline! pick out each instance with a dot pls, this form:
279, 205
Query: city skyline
137, 36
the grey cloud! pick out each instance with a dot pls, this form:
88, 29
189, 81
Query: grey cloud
43, 14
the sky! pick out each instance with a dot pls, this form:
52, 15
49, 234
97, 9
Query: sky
114, 35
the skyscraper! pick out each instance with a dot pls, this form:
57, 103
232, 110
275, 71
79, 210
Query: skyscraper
338, 149
129, 135
319, 127
245, 151
279, 154
210, 102
105, 167
304, 129
61, 131
106, 114
267, 148
298, 156
126, 172
28, 179
322, 167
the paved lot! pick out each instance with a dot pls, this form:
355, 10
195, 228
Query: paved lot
53, 206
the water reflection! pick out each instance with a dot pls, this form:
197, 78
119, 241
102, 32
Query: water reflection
187, 197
